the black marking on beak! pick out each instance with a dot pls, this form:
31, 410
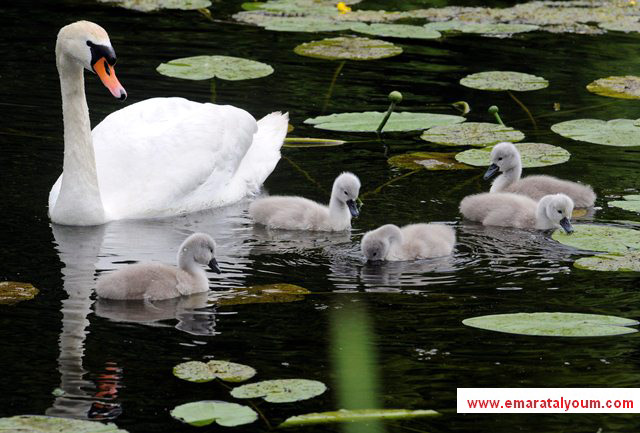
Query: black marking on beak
566, 225
493, 169
213, 264
100, 51
123, 95
353, 208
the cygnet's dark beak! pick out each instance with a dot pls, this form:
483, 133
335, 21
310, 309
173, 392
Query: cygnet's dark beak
493, 169
213, 264
353, 208
566, 225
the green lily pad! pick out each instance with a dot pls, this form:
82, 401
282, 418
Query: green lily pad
311, 142
593, 237
428, 161
13, 291
50, 424
496, 29
627, 262
532, 154
154, 5
310, 24
201, 413
396, 31
281, 390
616, 132
504, 80
196, 371
352, 415
630, 202
348, 48
368, 121
207, 67
554, 324
625, 87
262, 294
471, 134
626, 26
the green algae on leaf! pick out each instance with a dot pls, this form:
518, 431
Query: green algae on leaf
504, 80
207, 67
201, 413
616, 132
624, 87
12, 292
262, 294
471, 134
532, 154
396, 31
630, 203
353, 415
593, 237
196, 371
155, 5
311, 142
427, 161
348, 48
50, 424
554, 324
281, 390
369, 121
627, 262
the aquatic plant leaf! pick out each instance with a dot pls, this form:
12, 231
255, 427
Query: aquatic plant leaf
554, 324
630, 202
532, 154
625, 87
196, 371
593, 237
207, 67
396, 31
13, 291
626, 26
471, 134
428, 161
262, 294
616, 132
310, 24
50, 424
368, 121
348, 48
311, 142
495, 29
627, 262
201, 413
281, 390
154, 5
351, 415
504, 80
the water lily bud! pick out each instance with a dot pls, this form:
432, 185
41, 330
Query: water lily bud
493, 109
395, 96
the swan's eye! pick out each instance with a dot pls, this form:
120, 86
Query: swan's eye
560, 211
500, 159
346, 193
375, 254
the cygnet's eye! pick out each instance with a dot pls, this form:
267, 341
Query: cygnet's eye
346, 193
375, 254
559, 211
500, 159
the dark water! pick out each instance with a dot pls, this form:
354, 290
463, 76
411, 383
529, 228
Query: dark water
62, 339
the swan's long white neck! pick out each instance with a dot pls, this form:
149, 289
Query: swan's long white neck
543, 222
339, 214
507, 177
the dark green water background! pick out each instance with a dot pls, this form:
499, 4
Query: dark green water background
63, 339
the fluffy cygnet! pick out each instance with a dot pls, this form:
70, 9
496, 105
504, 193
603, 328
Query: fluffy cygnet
515, 210
298, 213
505, 158
411, 242
155, 281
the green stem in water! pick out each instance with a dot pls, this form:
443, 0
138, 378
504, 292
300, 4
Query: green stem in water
494, 110
524, 107
327, 97
213, 90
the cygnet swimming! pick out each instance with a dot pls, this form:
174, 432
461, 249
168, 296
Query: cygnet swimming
298, 213
514, 210
505, 158
411, 242
154, 281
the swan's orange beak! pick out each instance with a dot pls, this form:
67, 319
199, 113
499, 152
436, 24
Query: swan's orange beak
108, 77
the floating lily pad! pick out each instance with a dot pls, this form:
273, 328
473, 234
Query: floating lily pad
627, 262
311, 142
625, 87
428, 161
201, 413
346, 415
593, 237
268, 293
532, 154
504, 80
310, 24
348, 48
626, 26
196, 371
13, 291
281, 391
368, 121
630, 202
154, 5
396, 31
50, 424
471, 134
616, 132
496, 29
207, 67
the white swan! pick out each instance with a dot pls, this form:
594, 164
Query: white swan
514, 210
159, 157
505, 158
411, 242
298, 213
155, 281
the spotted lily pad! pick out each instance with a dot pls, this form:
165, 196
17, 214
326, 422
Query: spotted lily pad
630, 202
396, 31
154, 5
311, 142
593, 237
504, 80
207, 67
348, 48
368, 121
428, 161
532, 154
196, 371
352, 415
262, 294
471, 134
616, 132
625, 87
13, 291
201, 413
309, 24
50, 424
627, 262
554, 324
281, 390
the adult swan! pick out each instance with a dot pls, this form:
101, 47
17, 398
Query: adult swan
155, 158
